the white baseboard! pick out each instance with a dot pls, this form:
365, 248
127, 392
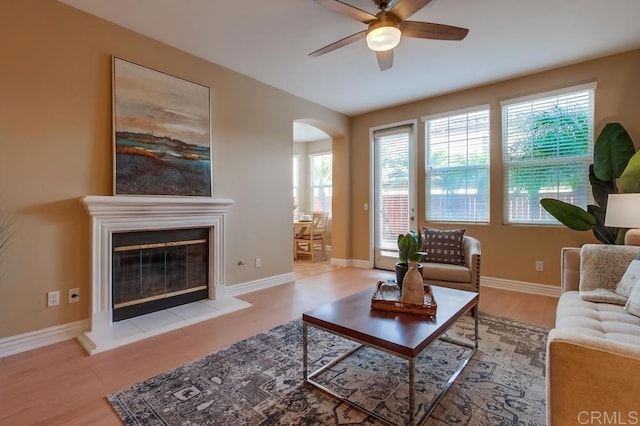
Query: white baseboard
355, 263
248, 287
47, 336
520, 286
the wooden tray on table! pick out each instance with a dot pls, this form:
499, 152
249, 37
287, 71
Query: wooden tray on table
387, 298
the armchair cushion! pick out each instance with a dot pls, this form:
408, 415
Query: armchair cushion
443, 246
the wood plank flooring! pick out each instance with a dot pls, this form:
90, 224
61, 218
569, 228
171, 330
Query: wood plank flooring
61, 385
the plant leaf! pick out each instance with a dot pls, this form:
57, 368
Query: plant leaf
630, 179
612, 152
604, 234
601, 188
573, 217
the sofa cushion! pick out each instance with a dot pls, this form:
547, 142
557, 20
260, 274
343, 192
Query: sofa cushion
601, 268
633, 304
443, 246
602, 320
630, 278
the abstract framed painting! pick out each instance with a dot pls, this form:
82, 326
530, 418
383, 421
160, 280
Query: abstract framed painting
162, 133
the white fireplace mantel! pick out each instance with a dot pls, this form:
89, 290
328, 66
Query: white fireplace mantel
111, 214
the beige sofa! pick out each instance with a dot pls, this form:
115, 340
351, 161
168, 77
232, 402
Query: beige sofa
593, 353
465, 277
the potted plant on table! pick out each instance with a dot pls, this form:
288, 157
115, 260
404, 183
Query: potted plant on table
409, 250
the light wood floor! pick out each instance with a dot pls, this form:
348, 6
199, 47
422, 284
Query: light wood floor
61, 385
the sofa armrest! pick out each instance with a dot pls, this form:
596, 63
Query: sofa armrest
471, 248
569, 269
589, 375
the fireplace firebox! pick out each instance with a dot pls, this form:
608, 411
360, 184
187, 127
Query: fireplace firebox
157, 270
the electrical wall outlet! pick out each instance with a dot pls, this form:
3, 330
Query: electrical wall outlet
53, 298
74, 295
258, 262
539, 265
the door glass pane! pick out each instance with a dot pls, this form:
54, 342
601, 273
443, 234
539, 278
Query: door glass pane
392, 191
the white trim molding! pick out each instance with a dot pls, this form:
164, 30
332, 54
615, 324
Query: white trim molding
37, 339
261, 284
354, 263
520, 286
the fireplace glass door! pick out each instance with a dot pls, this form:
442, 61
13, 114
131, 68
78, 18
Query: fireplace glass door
156, 270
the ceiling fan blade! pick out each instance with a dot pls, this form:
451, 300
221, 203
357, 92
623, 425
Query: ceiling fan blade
406, 8
385, 59
348, 10
340, 43
433, 31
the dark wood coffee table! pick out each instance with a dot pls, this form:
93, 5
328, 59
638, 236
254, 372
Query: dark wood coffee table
400, 334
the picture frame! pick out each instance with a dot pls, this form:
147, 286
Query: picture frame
161, 133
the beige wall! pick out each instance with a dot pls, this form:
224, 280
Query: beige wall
56, 146
508, 252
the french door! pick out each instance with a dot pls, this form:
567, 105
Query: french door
394, 194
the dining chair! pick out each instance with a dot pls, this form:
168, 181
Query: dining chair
312, 237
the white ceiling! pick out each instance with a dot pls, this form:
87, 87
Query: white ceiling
270, 40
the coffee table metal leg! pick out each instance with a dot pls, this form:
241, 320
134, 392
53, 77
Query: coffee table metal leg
412, 392
476, 336
304, 350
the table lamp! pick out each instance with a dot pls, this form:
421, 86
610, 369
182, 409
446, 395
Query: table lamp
623, 211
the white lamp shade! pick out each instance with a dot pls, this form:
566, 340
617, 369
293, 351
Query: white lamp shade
623, 211
383, 38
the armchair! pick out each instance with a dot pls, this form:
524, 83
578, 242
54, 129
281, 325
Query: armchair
460, 277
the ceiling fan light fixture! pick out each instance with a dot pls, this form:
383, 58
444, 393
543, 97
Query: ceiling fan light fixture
382, 38
384, 34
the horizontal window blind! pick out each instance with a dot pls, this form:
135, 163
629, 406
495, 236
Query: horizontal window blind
547, 149
392, 181
457, 166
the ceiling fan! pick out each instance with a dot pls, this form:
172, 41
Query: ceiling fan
385, 29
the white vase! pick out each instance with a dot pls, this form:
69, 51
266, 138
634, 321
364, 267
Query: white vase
412, 290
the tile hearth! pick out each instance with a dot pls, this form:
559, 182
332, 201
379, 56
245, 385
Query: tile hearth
156, 323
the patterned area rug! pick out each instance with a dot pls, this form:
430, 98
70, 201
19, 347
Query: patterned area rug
258, 381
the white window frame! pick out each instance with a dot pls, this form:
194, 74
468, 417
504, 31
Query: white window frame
328, 209
430, 215
536, 214
296, 184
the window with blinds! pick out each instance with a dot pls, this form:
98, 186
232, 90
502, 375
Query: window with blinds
321, 168
457, 166
547, 143
392, 184
296, 185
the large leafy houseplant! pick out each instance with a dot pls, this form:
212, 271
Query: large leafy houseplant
615, 168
